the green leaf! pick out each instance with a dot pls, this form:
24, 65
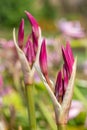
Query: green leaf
47, 115
80, 96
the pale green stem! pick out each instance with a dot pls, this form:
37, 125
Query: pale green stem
31, 107
61, 127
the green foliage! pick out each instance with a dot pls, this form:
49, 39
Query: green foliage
79, 120
49, 12
12, 11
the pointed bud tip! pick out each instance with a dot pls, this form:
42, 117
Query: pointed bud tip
22, 21
31, 19
44, 43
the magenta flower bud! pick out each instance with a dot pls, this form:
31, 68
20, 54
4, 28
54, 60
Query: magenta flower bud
59, 90
43, 59
69, 51
65, 77
68, 57
26, 45
21, 34
29, 52
32, 20
35, 41
33, 23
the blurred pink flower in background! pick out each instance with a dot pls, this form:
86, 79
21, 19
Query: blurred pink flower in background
6, 44
1, 81
50, 41
76, 108
53, 59
37, 78
54, 51
72, 29
4, 90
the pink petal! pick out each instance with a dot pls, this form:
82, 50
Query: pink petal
69, 51
30, 53
59, 86
21, 34
65, 75
67, 59
43, 58
32, 20
35, 41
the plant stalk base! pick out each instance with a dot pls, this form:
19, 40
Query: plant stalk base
31, 107
61, 127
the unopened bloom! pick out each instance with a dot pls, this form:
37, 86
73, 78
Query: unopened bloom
35, 41
43, 58
43, 63
32, 20
62, 95
30, 49
59, 90
21, 34
34, 24
64, 76
68, 57
30, 55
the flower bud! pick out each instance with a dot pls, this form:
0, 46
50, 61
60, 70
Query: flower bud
29, 52
68, 57
69, 52
32, 20
35, 41
33, 23
21, 34
43, 58
65, 77
59, 90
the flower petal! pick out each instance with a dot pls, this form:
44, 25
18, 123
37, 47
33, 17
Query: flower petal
21, 34
43, 58
59, 86
67, 60
32, 20
69, 51
65, 77
30, 52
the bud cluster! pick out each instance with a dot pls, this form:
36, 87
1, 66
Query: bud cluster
30, 49
65, 73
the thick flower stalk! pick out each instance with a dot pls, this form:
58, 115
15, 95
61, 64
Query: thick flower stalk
28, 55
60, 93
